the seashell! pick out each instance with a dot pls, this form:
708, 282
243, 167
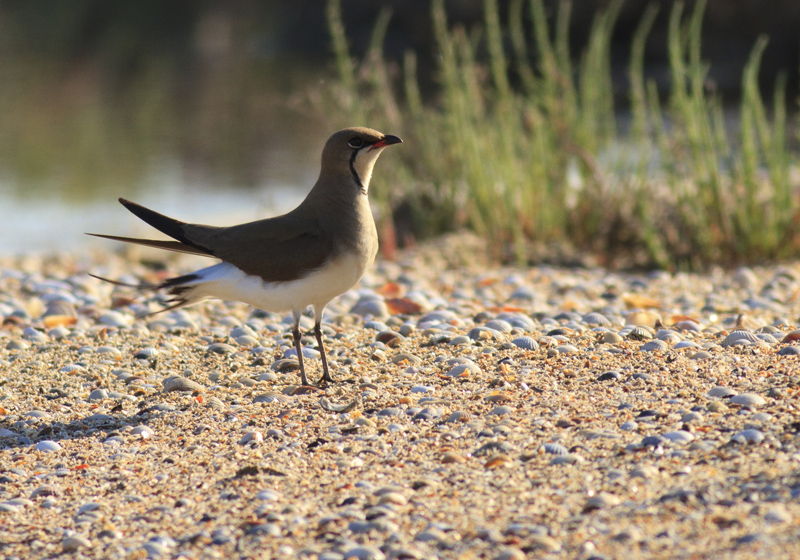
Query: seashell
59, 308
45, 491
220, 348
554, 448
70, 368
464, 370
460, 340
611, 338
685, 344
568, 459
789, 351
526, 343
748, 436
688, 325
792, 336
497, 461
642, 318
499, 325
143, 432
451, 457
178, 383
215, 403
639, 333
679, 437
75, 542
325, 404
483, 333
654, 346
597, 319
422, 389
34, 335
767, 338
406, 359
499, 397
114, 319
721, 392
748, 399
566, 349
47, 446
638, 301
272, 397
98, 395
602, 500
391, 411
395, 498
54, 321
668, 336
254, 437
500, 411
286, 364
458, 416
701, 355
744, 338
147, 353
17, 345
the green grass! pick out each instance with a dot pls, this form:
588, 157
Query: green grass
538, 160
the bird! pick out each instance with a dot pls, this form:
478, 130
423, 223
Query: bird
291, 262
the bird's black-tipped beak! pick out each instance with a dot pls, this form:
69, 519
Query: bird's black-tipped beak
387, 140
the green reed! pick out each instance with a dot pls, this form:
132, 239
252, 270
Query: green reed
524, 149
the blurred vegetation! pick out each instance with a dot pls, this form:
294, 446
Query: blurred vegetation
101, 98
526, 149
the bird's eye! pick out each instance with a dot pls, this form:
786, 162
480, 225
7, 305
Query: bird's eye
356, 142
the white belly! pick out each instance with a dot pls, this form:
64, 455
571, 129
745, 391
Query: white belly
225, 281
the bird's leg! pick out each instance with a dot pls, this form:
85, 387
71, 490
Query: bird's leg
326, 376
296, 336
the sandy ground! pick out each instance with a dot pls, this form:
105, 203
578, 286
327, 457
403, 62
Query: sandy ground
479, 412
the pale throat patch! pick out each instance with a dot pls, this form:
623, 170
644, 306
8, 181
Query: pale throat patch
365, 161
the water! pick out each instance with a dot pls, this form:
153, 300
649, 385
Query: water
55, 225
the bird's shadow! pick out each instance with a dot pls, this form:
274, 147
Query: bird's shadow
100, 426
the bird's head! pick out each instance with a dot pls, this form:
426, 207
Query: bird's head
352, 152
